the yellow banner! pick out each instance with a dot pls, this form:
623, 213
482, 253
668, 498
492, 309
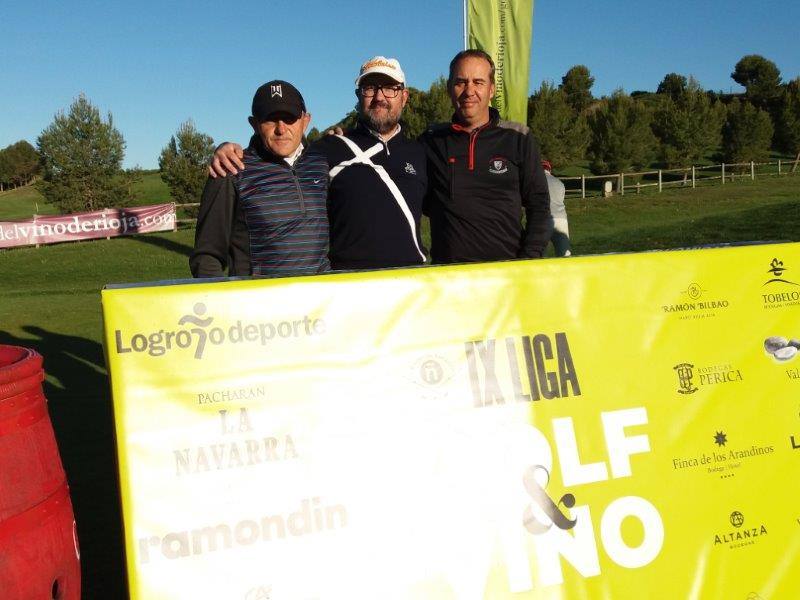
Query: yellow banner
603, 427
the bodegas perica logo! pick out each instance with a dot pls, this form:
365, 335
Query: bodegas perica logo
691, 378
196, 330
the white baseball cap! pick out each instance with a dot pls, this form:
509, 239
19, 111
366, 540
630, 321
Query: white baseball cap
380, 64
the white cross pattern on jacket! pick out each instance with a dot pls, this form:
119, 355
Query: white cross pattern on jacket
364, 157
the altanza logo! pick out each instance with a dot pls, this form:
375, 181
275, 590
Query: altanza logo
196, 332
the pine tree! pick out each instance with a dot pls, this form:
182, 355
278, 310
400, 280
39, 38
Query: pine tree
620, 135
688, 125
673, 85
82, 160
184, 163
562, 134
747, 133
577, 86
789, 120
760, 77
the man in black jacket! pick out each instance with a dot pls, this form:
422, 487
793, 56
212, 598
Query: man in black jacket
482, 172
377, 176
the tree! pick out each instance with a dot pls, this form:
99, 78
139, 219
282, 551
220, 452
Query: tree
760, 77
789, 120
184, 163
577, 85
313, 135
689, 126
19, 163
426, 108
621, 135
82, 160
563, 135
747, 133
673, 85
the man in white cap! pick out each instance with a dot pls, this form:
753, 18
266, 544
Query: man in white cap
377, 176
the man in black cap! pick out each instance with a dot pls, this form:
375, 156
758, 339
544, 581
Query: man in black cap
271, 218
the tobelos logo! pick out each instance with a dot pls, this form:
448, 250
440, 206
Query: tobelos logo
158, 343
776, 270
685, 374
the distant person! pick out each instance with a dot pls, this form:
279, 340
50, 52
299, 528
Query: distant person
560, 237
377, 176
271, 218
482, 173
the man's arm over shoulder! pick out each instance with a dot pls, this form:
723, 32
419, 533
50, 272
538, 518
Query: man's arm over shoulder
536, 200
215, 220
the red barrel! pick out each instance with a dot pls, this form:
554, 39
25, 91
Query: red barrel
39, 556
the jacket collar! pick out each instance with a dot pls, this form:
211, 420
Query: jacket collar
256, 146
494, 118
364, 129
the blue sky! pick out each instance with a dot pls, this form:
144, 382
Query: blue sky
154, 64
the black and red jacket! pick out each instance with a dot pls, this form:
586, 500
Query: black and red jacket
478, 185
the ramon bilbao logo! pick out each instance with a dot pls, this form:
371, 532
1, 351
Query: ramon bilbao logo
196, 331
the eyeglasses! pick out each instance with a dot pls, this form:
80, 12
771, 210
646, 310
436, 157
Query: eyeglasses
389, 91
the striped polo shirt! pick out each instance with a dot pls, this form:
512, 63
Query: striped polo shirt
285, 209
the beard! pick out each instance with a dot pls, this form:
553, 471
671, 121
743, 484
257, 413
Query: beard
382, 121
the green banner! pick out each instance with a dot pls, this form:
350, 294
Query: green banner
503, 29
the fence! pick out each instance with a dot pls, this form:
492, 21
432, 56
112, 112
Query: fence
688, 177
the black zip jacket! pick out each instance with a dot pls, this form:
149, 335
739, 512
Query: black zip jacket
478, 184
375, 201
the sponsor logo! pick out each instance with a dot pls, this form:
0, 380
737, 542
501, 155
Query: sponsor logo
695, 304
737, 519
230, 451
776, 270
410, 169
710, 375
685, 373
276, 90
775, 297
782, 350
311, 517
432, 373
498, 165
719, 462
741, 535
196, 332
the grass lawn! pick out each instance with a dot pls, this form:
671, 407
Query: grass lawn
50, 301
23, 202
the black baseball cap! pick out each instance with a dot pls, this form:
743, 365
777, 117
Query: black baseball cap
277, 96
